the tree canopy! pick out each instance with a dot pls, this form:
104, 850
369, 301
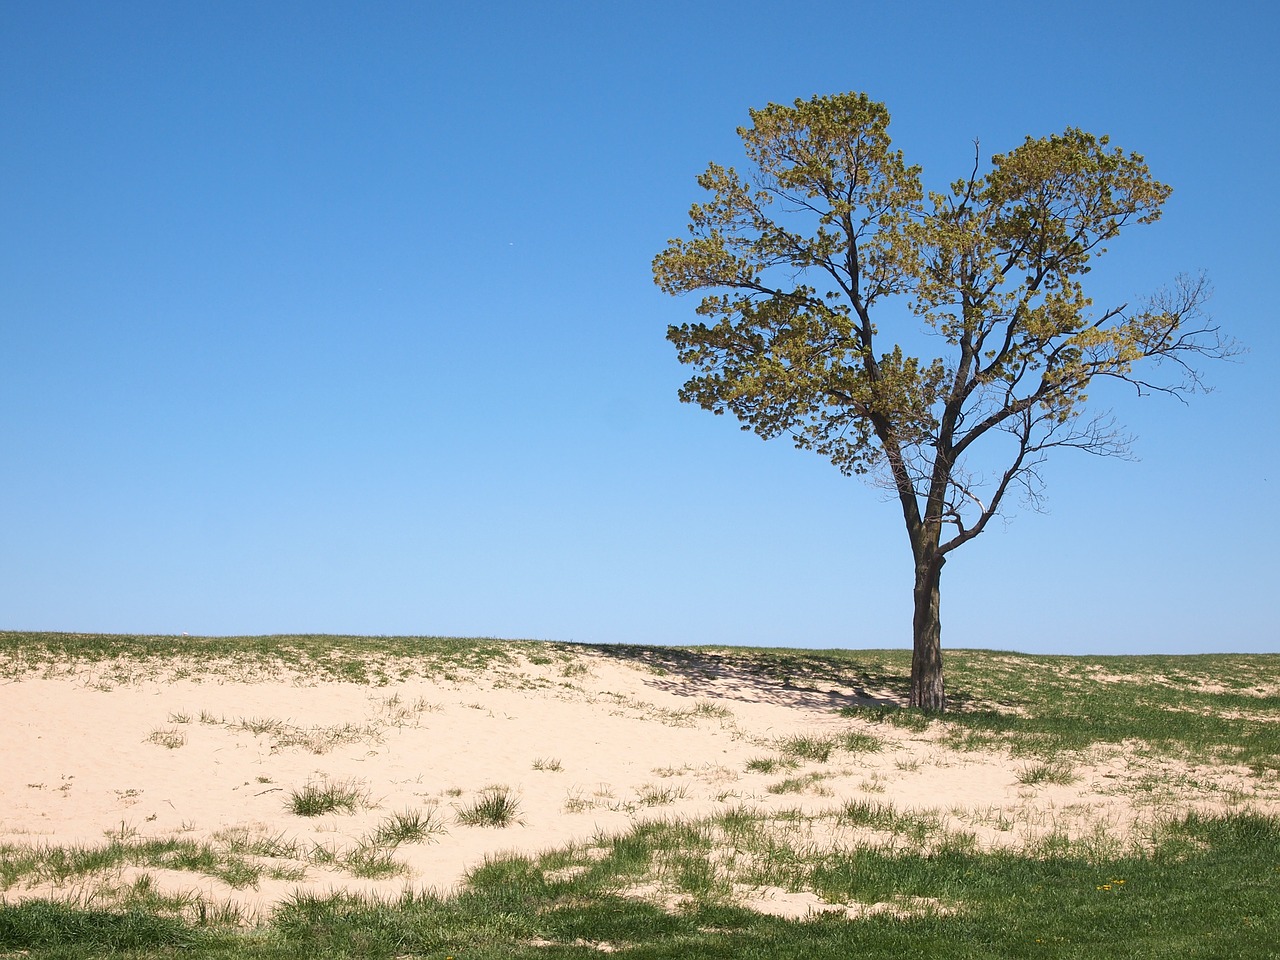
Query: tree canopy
829, 267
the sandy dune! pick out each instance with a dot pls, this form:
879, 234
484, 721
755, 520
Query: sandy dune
585, 746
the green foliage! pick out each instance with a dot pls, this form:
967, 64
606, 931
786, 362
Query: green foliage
994, 265
832, 236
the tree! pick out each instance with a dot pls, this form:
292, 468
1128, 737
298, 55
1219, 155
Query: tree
832, 239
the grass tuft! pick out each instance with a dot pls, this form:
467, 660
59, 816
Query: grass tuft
318, 798
171, 738
408, 826
808, 748
771, 764
1035, 773
856, 742
495, 807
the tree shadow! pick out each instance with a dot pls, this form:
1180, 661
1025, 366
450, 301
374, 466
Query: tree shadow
804, 680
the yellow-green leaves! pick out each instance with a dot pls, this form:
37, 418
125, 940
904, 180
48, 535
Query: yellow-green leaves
830, 234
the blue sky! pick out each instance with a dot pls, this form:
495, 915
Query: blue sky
339, 318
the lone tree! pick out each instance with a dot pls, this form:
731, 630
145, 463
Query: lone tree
816, 263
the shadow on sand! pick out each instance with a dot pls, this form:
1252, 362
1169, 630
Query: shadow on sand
802, 680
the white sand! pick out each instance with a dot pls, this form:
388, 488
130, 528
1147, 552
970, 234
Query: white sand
84, 759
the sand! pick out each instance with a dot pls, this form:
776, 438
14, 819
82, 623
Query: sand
587, 748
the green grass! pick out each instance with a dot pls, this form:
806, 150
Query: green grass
652, 795
817, 749
63, 865
1046, 773
495, 807
318, 798
1206, 890
868, 813
856, 742
1042, 706
771, 764
333, 657
407, 826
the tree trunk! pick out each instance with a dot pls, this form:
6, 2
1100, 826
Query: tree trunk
926, 655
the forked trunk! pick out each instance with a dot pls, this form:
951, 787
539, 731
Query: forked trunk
926, 655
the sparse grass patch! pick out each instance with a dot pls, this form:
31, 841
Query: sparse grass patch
576, 803
318, 798
655, 796
549, 764
914, 720
495, 807
395, 712
170, 738
372, 863
771, 764
257, 725
364, 660
868, 813
1063, 904
799, 784
1059, 773
241, 842
61, 865
855, 741
407, 826
705, 708
817, 749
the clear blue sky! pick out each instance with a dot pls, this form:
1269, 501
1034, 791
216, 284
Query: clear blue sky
338, 318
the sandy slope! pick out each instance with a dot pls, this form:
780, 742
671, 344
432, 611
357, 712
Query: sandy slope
87, 757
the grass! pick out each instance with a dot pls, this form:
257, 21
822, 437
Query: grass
366, 660
857, 742
170, 738
317, 739
63, 865
318, 798
652, 795
495, 807
1201, 708
808, 782
771, 764
408, 826
1046, 773
1205, 890
866, 813
813, 748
